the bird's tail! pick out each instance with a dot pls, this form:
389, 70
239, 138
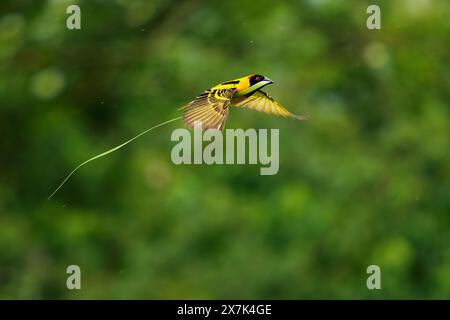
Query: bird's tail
110, 151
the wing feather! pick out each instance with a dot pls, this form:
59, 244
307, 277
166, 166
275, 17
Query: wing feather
261, 101
210, 107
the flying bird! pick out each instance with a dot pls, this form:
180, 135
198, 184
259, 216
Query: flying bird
212, 106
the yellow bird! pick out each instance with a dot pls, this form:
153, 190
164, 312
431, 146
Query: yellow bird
212, 106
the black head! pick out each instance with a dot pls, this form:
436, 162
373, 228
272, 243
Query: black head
257, 78
255, 82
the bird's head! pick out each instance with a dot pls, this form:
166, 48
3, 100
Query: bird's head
252, 83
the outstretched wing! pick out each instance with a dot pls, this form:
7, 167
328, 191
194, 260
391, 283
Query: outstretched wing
211, 108
261, 101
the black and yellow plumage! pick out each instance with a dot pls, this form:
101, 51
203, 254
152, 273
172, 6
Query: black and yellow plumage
211, 108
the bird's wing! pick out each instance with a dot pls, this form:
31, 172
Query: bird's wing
211, 108
261, 101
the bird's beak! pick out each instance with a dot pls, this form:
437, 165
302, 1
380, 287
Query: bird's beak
267, 80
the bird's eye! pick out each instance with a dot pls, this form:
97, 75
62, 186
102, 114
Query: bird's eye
259, 78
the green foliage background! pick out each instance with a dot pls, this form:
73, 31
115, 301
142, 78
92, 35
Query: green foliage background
365, 181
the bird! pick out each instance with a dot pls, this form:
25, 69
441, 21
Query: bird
212, 107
